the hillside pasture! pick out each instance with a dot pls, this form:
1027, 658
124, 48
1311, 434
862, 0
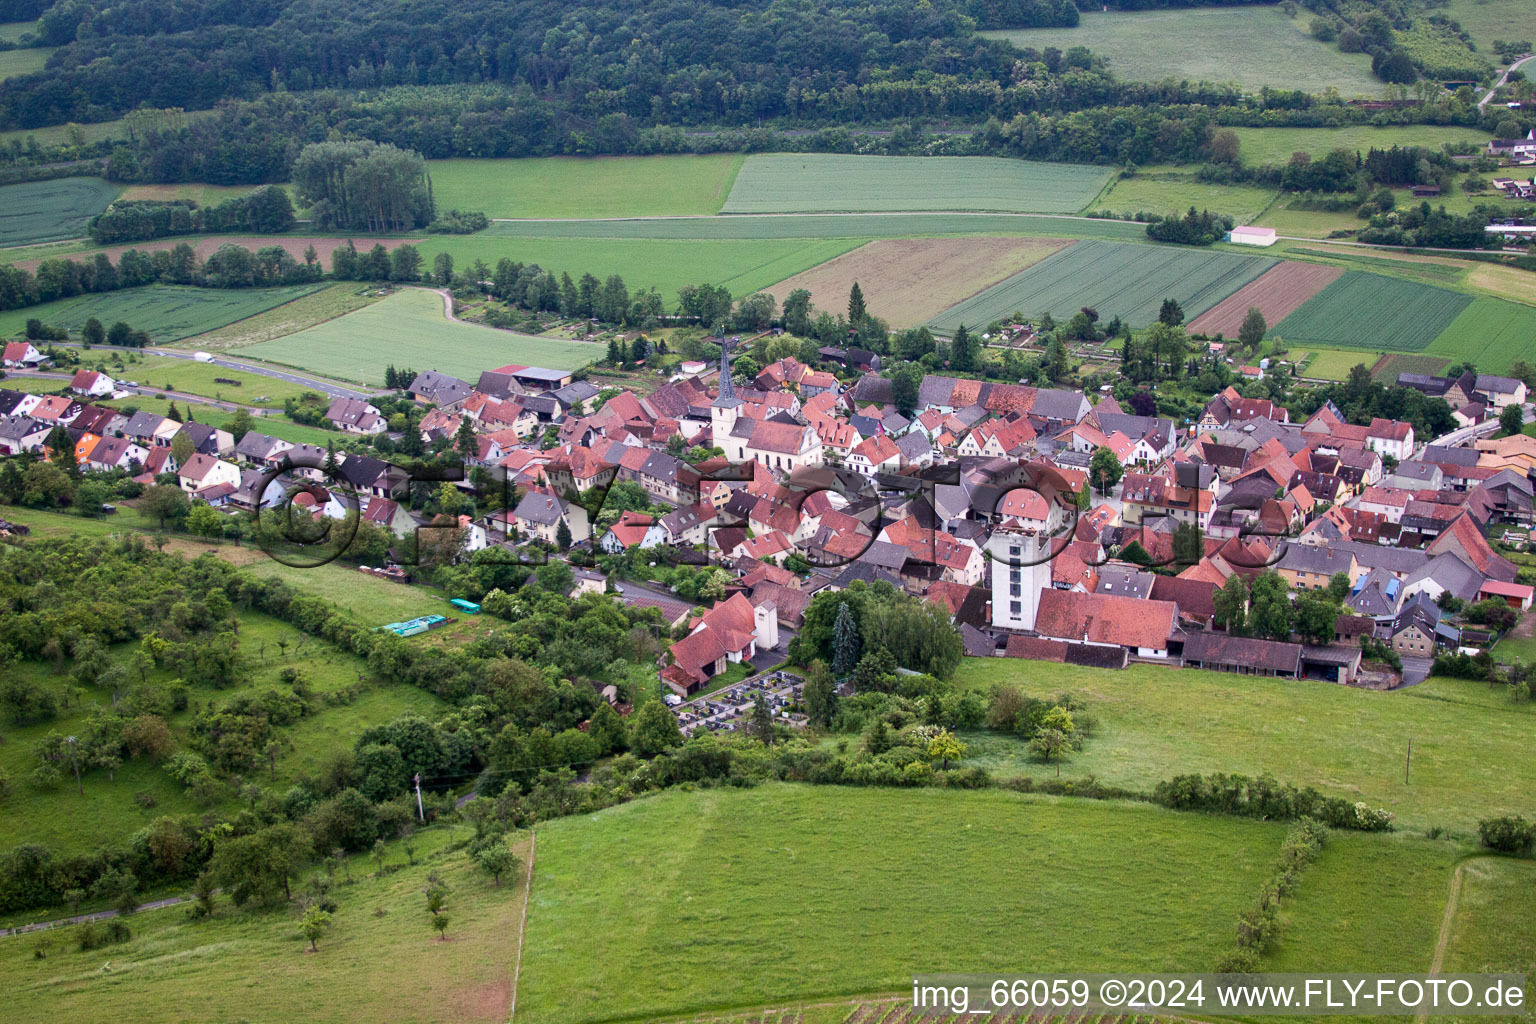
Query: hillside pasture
1364, 310
602, 186
1277, 293
1128, 281
42, 211
1492, 333
827, 182
1487, 20
1155, 723
253, 965
907, 281
785, 891
409, 328
1252, 46
24, 61
167, 312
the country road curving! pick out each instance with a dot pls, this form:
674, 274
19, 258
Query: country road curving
1504, 78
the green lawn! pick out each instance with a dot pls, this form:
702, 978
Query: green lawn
683, 902
167, 312
42, 211
1494, 890
1252, 46
409, 329
199, 379
1155, 723
822, 182
378, 961
1164, 190
1308, 223
1275, 145
609, 186
1335, 364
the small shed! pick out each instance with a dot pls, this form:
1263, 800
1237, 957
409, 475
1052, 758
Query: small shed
1246, 234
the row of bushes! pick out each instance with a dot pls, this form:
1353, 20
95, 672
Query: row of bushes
1264, 797
1259, 925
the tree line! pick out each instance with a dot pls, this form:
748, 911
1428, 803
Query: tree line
266, 211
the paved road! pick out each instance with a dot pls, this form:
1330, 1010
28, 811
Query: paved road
1503, 78
329, 387
1462, 435
1415, 671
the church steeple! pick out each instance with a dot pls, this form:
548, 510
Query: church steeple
727, 398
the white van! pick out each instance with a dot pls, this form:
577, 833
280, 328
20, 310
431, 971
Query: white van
202, 357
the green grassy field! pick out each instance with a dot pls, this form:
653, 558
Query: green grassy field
23, 62
615, 186
824, 226
409, 329
40, 211
818, 182
1487, 20
201, 194
253, 966
1252, 46
1492, 333
12, 31
168, 312
1275, 145
291, 317
1494, 889
1165, 190
198, 379
796, 892
1335, 364
107, 812
1307, 223
1155, 723
1118, 280
742, 265
1368, 310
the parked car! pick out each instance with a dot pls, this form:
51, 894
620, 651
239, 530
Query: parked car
109, 509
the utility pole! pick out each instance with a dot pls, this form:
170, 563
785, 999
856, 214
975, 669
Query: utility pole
74, 760
1408, 760
419, 812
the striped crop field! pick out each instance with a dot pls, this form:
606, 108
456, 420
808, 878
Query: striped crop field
1492, 333
168, 312
1128, 281
830, 182
44, 211
1363, 310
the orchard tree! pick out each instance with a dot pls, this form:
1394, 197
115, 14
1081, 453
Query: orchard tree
1251, 333
944, 748
313, 925
497, 860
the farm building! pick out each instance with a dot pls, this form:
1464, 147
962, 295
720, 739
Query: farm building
1245, 234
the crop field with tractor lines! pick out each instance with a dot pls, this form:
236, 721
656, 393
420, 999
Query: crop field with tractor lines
821, 182
1118, 280
1492, 333
168, 312
44, 211
1364, 310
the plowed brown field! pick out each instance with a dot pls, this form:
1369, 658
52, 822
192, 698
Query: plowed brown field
908, 281
1276, 293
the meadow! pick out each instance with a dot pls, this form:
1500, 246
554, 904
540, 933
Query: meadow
40, 211
1388, 367
1155, 723
1487, 20
201, 194
1130, 282
409, 329
1335, 364
827, 182
24, 61
171, 374
167, 312
12, 31
612, 186
1275, 145
1492, 333
785, 891
1252, 46
1165, 190
378, 961
1373, 311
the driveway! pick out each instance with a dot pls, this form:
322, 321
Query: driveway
1416, 670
